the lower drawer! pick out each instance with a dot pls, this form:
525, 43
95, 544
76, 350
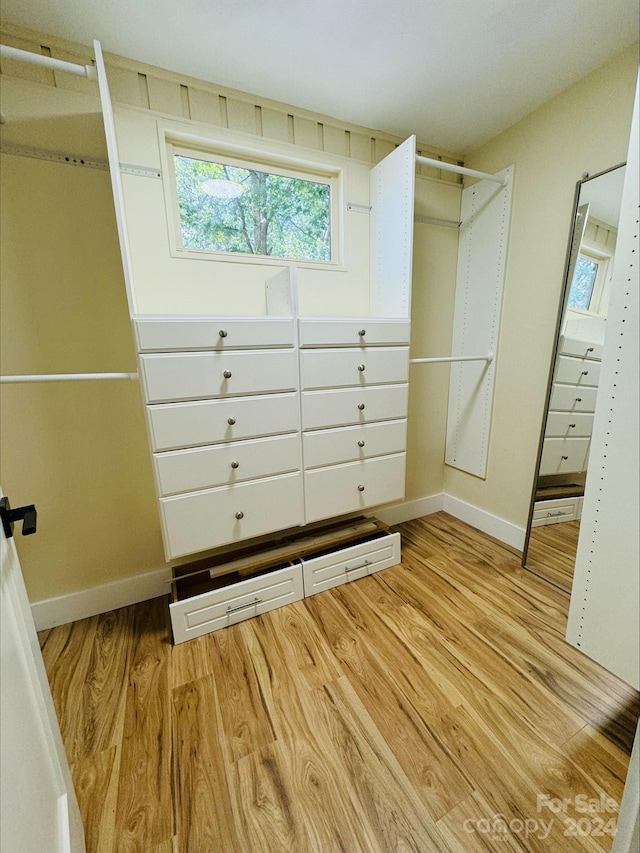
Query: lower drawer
348, 564
235, 602
340, 489
347, 444
564, 455
556, 511
570, 398
198, 521
569, 425
343, 407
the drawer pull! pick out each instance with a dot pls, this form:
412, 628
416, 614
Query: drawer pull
572, 426
227, 374
590, 349
361, 368
361, 488
355, 568
585, 372
361, 406
239, 514
564, 457
243, 606
222, 333
556, 514
231, 421
362, 333
578, 399
235, 464
361, 443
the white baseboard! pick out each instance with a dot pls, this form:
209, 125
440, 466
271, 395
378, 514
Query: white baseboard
495, 526
100, 599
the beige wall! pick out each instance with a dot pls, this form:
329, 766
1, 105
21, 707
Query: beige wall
584, 129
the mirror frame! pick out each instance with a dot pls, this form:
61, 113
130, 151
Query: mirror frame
573, 247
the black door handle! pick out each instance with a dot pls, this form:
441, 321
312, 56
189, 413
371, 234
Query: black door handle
26, 514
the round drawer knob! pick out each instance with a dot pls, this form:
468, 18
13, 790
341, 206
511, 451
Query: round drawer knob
578, 399
239, 515
222, 333
589, 349
361, 406
362, 333
361, 368
235, 464
361, 443
564, 457
227, 374
231, 421
572, 426
361, 488
585, 372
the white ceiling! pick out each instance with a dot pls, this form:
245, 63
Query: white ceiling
455, 72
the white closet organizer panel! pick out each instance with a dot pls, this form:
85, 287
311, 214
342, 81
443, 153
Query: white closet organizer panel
175, 425
340, 489
569, 398
341, 333
345, 407
234, 603
225, 464
201, 520
569, 424
347, 444
348, 564
162, 335
343, 367
577, 371
563, 455
189, 376
582, 349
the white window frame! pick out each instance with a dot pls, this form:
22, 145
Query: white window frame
602, 286
249, 158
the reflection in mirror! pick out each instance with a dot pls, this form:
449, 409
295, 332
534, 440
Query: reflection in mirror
558, 492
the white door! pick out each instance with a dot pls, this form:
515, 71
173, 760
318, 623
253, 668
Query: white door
38, 807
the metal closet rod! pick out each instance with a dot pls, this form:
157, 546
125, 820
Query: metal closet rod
47, 61
461, 170
64, 377
451, 358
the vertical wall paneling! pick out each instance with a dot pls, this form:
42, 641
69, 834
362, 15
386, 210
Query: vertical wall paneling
603, 617
391, 228
482, 254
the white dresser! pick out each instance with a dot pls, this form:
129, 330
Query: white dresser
571, 407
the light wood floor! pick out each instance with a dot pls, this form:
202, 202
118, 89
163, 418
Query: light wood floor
422, 709
552, 552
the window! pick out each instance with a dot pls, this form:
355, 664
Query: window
253, 209
589, 291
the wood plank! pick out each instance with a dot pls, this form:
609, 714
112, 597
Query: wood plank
552, 552
96, 779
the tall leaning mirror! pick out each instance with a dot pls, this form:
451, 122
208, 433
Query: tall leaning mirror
563, 456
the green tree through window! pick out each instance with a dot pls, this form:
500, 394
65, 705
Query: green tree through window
245, 211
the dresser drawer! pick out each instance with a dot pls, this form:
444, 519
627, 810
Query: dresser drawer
174, 425
577, 371
341, 367
340, 489
202, 520
234, 603
225, 464
583, 349
353, 406
570, 398
564, 455
556, 511
346, 444
192, 376
347, 564
185, 333
341, 333
569, 424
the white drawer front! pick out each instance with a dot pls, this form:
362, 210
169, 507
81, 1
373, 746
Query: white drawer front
556, 511
577, 371
353, 406
340, 489
346, 444
174, 425
202, 520
569, 398
225, 464
192, 376
568, 425
583, 349
341, 367
348, 564
564, 455
162, 335
227, 606
342, 333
